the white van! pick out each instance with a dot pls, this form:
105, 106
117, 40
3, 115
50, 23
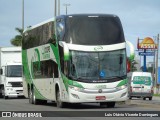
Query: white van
141, 85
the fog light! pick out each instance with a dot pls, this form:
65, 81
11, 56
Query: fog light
123, 94
75, 96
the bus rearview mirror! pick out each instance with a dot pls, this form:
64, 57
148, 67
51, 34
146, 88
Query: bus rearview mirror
1, 71
66, 51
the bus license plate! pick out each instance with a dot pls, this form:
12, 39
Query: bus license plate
100, 98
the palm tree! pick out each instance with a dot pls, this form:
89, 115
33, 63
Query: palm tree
17, 40
133, 67
133, 64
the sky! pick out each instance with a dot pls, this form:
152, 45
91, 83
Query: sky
139, 18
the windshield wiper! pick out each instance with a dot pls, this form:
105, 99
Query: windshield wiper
121, 77
82, 77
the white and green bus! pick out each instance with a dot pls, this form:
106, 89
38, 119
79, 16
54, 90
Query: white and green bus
77, 58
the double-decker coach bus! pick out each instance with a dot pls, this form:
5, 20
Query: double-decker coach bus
77, 58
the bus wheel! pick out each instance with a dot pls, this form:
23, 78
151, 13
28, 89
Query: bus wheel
150, 98
144, 98
5, 97
60, 104
30, 94
1, 92
110, 104
35, 101
103, 104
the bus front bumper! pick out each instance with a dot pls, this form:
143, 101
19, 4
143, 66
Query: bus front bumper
78, 97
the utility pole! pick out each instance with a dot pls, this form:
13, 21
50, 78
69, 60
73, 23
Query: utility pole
66, 5
22, 20
156, 71
55, 8
22, 14
58, 7
153, 70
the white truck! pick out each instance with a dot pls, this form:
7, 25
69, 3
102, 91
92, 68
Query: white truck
11, 72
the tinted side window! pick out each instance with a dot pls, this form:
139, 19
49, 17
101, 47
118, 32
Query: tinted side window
38, 36
46, 69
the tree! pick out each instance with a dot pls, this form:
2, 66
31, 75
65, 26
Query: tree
151, 69
17, 40
132, 64
133, 67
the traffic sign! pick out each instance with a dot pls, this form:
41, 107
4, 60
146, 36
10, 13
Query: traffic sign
146, 53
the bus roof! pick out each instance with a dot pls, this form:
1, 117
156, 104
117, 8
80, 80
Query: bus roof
70, 15
37, 25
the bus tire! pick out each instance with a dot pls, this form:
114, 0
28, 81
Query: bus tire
1, 92
35, 101
144, 98
150, 98
42, 102
111, 104
5, 97
30, 95
60, 104
103, 104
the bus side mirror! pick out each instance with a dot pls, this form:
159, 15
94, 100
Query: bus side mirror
1, 71
66, 51
66, 54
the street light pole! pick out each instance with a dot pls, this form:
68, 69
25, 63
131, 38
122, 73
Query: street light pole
156, 76
66, 5
58, 7
153, 70
55, 8
22, 14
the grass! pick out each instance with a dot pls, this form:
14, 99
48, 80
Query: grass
157, 95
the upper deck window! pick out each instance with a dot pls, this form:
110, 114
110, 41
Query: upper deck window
88, 30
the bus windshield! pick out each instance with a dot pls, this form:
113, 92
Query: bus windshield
97, 66
101, 30
14, 71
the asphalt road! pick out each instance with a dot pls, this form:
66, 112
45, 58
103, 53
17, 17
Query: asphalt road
22, 106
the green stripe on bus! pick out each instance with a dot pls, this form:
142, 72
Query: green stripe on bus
123, 82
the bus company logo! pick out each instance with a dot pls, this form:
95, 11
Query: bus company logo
100, 90
98, 48
101, 87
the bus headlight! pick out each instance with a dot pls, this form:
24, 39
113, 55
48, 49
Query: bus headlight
122, 87
76, 88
